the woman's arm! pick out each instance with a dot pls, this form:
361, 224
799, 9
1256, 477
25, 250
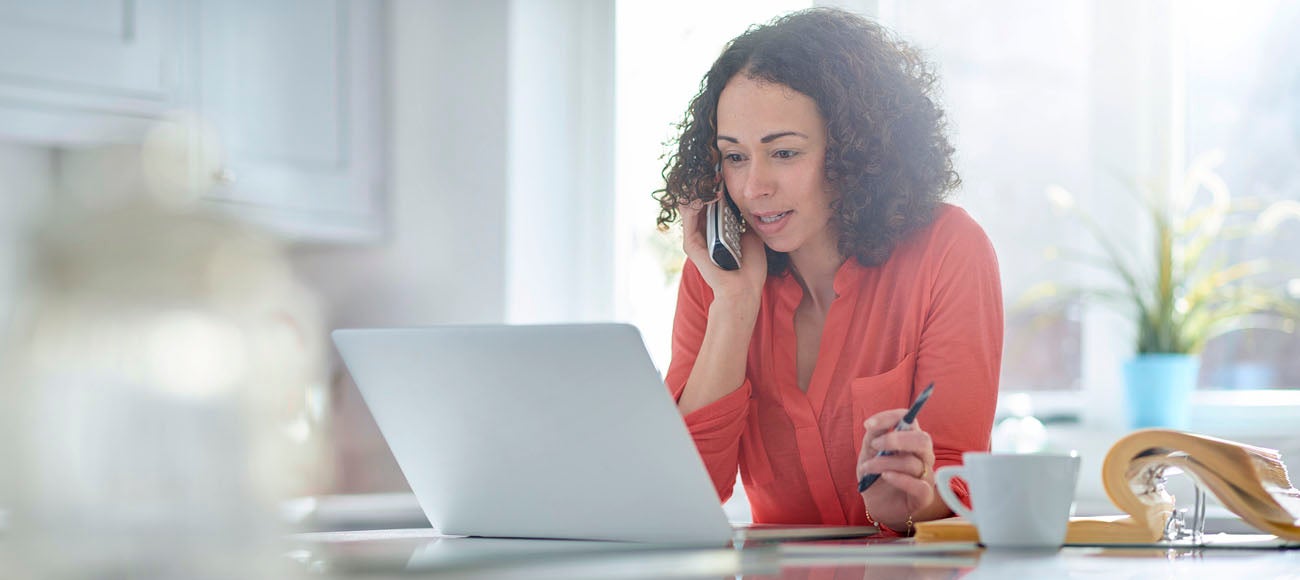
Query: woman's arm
960, 351
961, 344
720, 362
711, 334
718, 357
716, 425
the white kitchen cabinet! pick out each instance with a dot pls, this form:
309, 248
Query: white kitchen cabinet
90, 71
295, 90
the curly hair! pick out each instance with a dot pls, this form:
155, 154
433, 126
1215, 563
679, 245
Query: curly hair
887, 152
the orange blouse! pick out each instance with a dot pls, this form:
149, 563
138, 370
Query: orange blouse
932, 312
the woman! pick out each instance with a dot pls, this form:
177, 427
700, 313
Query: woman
858, 286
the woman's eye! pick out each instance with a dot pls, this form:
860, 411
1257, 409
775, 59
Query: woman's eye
733, 158
784, 154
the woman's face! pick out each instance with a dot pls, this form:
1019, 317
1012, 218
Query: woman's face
773, 144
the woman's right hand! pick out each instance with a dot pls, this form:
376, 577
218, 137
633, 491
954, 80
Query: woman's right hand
741, 287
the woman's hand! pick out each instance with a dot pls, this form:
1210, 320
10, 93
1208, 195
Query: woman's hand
736, 287
906, 485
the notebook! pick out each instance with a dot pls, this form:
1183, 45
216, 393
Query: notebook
547, 431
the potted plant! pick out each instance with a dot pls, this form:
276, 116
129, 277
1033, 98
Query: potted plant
1187, 294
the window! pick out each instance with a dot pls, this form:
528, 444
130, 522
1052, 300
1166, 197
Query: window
1033, 91
1241, 67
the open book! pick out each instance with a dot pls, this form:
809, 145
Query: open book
1250, 481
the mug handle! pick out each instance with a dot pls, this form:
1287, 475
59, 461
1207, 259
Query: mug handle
943, 483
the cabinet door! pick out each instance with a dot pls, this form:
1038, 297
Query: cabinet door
90, 70
294, 89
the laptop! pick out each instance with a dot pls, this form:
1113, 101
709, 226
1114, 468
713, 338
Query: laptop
546, 431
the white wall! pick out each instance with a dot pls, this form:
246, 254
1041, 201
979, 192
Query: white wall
501, 138
25, 190
561, 161
497, 160
444, 259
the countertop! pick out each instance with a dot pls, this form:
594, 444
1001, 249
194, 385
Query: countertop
425, 553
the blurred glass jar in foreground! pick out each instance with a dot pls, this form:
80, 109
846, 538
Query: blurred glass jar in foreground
161, 389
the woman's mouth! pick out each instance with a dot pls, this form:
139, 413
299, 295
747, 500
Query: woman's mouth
770, 223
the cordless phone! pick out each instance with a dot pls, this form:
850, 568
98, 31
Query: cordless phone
723, 231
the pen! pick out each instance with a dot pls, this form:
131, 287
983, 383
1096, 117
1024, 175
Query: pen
903, 424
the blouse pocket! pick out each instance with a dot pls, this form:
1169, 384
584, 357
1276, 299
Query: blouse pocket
753, 455
891, 389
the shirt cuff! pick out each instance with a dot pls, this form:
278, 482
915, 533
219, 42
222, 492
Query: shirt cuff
721, 413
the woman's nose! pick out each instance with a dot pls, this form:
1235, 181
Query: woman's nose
758, 181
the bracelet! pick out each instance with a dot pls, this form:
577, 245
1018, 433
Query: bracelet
871, 521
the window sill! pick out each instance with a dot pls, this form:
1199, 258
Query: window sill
1270, 413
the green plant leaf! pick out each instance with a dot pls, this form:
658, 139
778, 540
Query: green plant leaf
1194, 249
1184, 299
1117, 263
1209, 287
1244, 301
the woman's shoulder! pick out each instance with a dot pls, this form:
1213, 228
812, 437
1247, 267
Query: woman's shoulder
953, 225
952, 230
952, 221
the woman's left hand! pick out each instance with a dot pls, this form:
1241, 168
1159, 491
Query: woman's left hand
906, 485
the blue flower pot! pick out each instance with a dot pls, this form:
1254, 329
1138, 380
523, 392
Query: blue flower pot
1159, 389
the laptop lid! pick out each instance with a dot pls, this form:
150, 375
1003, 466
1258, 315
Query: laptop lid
549, 431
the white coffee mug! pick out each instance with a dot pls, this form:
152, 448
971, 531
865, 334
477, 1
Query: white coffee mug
1017, 501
